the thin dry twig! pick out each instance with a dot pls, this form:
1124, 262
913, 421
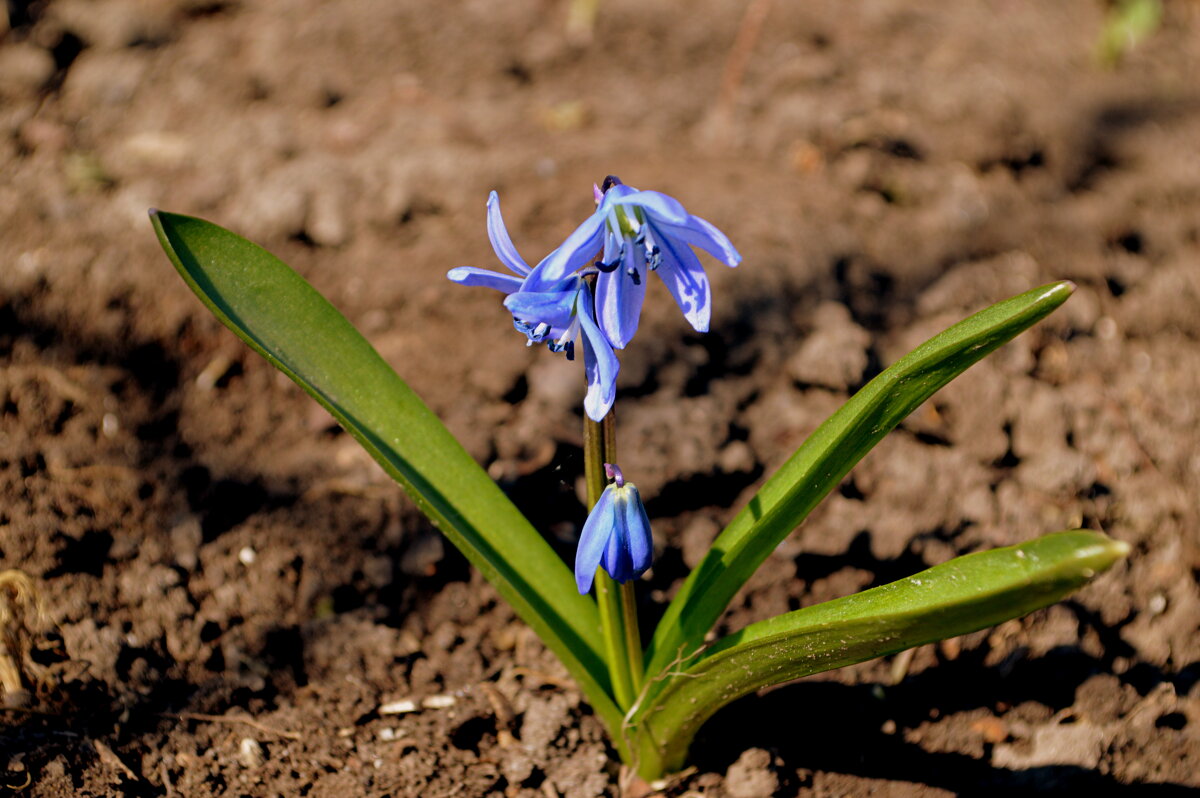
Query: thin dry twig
108, 757
65, 386
76, 473
165, 772
543, 676
197, 716
732, 76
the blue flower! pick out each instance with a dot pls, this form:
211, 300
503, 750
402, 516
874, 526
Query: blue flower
615, 535
635, 232
551, 312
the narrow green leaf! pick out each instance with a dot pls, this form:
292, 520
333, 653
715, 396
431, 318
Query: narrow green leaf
957, 597
285, 320
828, 454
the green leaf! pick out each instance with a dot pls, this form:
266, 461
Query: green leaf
285, 320
957, 597
828, 454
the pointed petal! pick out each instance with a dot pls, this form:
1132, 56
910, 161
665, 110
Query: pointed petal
700, 233
579, 248
612, 247
501, 243
658, 206
553, 307
469, 275
600, 364
593, 541
641, 543
616, 556
684, 277
619, 299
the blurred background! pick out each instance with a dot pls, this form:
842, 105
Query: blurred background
203, 545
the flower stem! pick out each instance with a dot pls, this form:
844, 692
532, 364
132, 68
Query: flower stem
633, 637
618, 607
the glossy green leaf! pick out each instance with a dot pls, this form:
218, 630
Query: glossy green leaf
957, 597
285, 320
828, 454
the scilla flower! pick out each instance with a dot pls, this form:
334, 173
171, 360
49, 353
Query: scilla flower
554, 313
615, 535
636, 232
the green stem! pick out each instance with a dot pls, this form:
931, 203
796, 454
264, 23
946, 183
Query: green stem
618, 608
633, 637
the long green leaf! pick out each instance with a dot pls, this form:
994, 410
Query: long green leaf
828, 454
285, 320
957, 597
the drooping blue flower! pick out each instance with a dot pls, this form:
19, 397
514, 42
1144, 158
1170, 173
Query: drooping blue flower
554, 312
615, 535
635, 232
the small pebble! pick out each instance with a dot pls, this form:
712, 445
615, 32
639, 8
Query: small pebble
247, 556
250, 753
398, 707
109, 425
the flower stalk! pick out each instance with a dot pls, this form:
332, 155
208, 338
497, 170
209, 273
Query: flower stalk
617, 601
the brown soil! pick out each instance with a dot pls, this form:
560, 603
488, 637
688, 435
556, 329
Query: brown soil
231, 589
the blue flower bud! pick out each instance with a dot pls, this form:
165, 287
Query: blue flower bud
616, 535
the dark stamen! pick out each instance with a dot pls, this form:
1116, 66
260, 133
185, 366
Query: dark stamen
609, 182
632, 272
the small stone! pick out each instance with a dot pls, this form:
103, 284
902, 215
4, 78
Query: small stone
401, 707
751, 776
835, 354
736, 458
250, 753
186, 537
247, 556
326, 223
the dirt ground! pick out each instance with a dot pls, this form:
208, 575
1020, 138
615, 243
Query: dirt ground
231, 589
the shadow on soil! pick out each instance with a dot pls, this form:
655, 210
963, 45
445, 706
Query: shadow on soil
849, 738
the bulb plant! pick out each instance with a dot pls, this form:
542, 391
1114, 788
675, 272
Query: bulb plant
654, 692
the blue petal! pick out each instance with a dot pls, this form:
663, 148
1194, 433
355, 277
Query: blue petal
658, 206
637, 524
469, 275
616, 559
599, 363
700, 233
579, 248
619, 300
684, 277
501, 243
593, 541
553, 307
